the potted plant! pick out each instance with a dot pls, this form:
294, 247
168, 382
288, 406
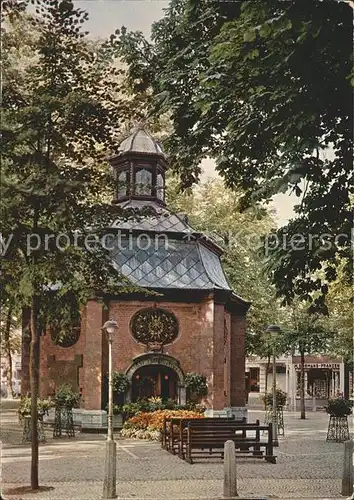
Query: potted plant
66, 397
24, 413
281, 402
65, 400
338, 410
196, 385
280, 398
120, 382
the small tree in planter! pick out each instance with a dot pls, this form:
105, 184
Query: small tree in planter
338, 410
65, 400
280, 398
120, 383
281, 402
196, 385
24, 413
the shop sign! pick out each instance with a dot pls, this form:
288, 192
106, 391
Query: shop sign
332, 366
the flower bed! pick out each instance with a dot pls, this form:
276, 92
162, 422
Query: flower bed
149, 425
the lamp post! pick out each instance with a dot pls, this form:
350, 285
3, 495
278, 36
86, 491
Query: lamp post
273, 330
109, 484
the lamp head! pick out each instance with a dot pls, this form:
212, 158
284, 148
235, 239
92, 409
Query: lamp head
110, 326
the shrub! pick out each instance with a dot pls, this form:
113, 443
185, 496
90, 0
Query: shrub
281, 398
24, 409
120, 382
196, 385
148, 425
339, 407
65, 396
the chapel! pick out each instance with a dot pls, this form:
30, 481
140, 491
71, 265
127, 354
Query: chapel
183, 318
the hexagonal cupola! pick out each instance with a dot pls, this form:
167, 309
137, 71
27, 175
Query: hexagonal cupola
139, 168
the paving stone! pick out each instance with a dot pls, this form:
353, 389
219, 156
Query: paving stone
307, 467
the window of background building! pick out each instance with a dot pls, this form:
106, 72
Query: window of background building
254, 379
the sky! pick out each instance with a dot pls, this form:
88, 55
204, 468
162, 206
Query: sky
105, 16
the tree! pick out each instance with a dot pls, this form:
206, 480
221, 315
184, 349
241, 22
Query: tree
230, 75
308, 333
213, 210
60, 117
340, 301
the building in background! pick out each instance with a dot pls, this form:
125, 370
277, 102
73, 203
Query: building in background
324, 378
16, 376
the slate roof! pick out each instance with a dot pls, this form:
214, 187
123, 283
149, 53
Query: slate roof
172, 264
140, 141
163, 221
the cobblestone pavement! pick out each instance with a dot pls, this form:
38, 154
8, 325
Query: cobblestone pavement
307, 467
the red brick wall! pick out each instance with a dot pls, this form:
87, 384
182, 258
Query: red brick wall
186, 347
92, 379
48, 348
206, 346
199, 348
227, 366
218, 357
237, 360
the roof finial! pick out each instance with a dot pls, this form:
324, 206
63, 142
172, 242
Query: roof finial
140, 125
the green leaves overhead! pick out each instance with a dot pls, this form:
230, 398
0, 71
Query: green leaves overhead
264, 89
61, 115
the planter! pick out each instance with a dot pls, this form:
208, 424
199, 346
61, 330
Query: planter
117, 421
63, 422
280, 418
27, 431
338, 430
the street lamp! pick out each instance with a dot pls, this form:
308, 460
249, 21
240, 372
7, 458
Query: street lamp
109, 484
273, 330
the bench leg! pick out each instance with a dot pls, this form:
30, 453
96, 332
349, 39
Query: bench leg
188, 456
272, 460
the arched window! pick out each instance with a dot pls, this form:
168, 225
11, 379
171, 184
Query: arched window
143, 182
123, 183
160, 187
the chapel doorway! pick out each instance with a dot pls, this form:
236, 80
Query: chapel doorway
154, 381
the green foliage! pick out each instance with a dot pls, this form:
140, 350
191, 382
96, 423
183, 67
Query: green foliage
153, 404
196, 384
61, 111
44, 405
230, 75
120, 382
213, 210
340, 320
305, 331
281, 399
339, 407
65, 396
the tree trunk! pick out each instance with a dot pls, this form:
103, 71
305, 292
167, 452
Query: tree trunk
302, 385
25, 351
266, 382
34, 376
7, 335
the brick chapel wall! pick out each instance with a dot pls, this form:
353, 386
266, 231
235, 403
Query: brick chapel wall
52, 374
185, 348
218, 357
237, 360
206, 346
227, 359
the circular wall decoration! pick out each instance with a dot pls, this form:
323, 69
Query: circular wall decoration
154, 327
65, 339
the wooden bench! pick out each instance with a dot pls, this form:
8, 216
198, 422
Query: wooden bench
208, 441
174, 430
